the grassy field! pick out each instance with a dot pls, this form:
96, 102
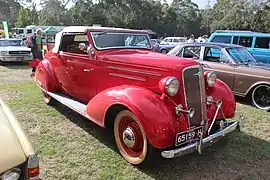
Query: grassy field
70, 147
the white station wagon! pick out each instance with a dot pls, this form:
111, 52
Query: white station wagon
14, 50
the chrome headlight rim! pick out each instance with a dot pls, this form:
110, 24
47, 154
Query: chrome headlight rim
4, 52
211, 78
169, 83
12, 174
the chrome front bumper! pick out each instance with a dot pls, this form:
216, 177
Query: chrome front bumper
198, 146
16, 58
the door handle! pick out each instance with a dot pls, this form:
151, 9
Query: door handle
88, 70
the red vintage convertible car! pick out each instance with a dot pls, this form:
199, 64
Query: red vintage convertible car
153, 102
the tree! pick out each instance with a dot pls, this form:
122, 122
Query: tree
24, 18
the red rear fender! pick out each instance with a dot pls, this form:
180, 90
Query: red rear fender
156, 118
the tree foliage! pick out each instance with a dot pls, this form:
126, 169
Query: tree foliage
24, 18
180, 18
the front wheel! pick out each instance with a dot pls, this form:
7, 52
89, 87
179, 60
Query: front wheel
130, 138
261, 97
163, 51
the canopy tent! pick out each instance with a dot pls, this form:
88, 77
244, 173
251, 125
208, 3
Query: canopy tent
50, 31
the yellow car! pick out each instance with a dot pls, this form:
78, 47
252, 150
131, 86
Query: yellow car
18, 160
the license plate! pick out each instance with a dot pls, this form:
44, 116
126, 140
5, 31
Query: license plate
187, 136
19, 58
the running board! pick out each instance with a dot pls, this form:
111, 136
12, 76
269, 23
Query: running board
74, 105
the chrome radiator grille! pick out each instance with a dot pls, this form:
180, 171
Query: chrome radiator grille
19, 52
195, 93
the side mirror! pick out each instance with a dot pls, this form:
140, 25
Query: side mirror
88, 49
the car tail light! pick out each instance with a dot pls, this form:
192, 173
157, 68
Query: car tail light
33, 167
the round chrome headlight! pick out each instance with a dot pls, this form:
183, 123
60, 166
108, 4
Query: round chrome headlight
13, 174
4, 52
172, 86
211, 79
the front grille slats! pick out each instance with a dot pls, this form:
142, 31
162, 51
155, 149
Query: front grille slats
194, 92
19, 52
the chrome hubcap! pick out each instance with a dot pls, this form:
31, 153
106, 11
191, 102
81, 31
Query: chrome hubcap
128, 137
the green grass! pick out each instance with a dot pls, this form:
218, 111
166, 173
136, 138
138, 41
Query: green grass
70, 147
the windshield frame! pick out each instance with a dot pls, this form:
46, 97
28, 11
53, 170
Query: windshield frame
121, 47
10, 40
236, 60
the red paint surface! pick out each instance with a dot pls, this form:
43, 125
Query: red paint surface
129, 77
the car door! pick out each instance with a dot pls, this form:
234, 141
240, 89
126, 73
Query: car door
215, 59
78, 67
82, 69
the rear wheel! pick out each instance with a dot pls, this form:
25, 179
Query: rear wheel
260, 97
131, 139
48, 99
163, 51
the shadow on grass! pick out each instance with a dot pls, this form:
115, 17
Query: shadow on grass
238, 156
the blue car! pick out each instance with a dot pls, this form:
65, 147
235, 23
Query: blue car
258, 44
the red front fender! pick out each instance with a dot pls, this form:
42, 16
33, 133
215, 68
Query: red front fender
222, 92
156, 118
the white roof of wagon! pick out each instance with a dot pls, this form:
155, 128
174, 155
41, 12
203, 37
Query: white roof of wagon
78, 29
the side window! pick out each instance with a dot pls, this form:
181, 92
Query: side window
29, 31
222, 39
235, 39
262, 42
212, 54
191, 52
70, 43
169, 40
245, 41
176, 40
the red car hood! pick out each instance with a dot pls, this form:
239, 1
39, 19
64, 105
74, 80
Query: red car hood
145, 58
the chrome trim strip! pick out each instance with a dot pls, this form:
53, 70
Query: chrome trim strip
127, 77
205, 142
135, 71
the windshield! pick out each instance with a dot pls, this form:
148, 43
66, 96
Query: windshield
10, 43
241, 55
105, 40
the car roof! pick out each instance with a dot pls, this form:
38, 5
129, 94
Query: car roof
78, 29
222, 45
240, 33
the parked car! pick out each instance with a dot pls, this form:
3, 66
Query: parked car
14, 50
156, 41
153, 102
163, 48
258, 44
18, 160
173, 40
234, 65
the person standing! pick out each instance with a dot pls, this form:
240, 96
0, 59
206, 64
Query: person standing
191, 39
36, 49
